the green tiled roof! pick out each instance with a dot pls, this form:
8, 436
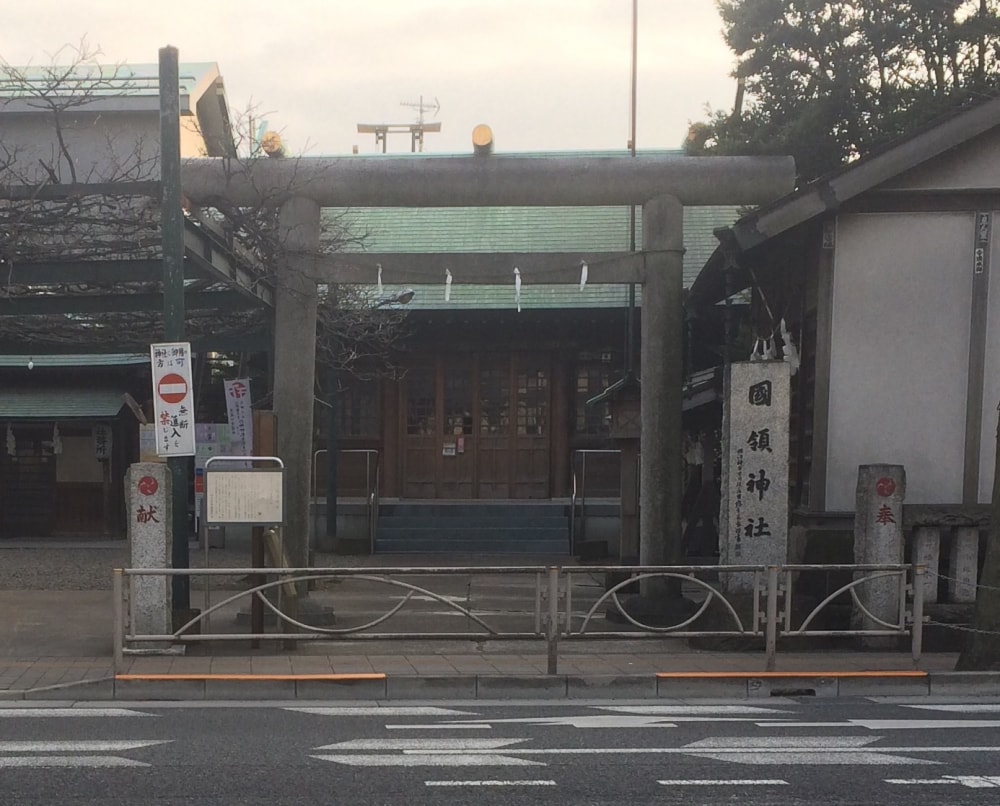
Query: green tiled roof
446, 230
521, 229
59, 404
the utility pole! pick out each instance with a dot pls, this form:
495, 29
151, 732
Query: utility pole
172, 226
633, 103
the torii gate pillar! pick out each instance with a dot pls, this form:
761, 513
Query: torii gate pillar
662, 376
295, 305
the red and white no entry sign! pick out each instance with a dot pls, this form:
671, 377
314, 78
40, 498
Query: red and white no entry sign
172, 388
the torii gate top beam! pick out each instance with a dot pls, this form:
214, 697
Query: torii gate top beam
490, 181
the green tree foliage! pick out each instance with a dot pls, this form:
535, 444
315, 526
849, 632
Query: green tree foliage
827, 81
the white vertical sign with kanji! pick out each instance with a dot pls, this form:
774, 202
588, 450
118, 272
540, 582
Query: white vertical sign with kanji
755, 495
239, 414
173, 398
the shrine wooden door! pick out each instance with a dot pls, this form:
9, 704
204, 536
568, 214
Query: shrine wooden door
477, 426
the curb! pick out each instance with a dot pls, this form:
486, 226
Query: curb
379, 686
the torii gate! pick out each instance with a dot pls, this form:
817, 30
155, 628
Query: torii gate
660, 185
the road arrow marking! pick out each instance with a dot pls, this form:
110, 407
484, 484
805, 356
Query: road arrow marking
787, 750
348, 710
429, 760
68, 712
691, 710
424, 745
606, 721
969, 708
80, 746
69, 761
971, 781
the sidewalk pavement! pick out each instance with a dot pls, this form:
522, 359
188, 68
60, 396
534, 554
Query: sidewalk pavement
57, 645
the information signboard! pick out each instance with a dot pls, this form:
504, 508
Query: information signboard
244, 496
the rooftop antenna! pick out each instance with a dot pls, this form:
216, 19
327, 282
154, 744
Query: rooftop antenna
416, 130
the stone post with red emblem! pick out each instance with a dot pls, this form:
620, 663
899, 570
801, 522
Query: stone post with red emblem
878, 540
149, 517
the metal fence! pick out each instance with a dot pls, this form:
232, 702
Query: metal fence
765, 604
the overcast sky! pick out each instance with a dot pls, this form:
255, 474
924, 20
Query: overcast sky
544, 74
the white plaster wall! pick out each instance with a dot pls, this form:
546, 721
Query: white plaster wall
991, 374
100, 145
902, 292
973, 165
96, 143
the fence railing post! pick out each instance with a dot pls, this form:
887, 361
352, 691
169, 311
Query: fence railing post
771, 623
917, 634
552, 627
119, 620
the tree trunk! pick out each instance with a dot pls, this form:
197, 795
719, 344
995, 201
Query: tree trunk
982, 651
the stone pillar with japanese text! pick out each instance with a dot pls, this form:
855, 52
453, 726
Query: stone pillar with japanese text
754, 518
878, 540
148, 498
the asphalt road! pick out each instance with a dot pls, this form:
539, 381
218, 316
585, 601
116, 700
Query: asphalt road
777, 751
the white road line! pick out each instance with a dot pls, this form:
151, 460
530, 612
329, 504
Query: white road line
424, 745
347, 710
69, 761
426, 760
443, 726
969, 708
19, 713
490, 783
80, 746
733, 782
